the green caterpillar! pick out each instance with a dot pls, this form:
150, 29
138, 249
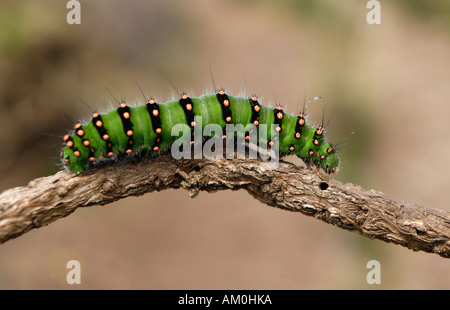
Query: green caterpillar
147, 129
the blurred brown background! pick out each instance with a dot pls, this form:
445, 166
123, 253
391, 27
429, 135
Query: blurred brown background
389, 83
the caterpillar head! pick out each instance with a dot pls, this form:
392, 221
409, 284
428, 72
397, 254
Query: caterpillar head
73, 160
326, 158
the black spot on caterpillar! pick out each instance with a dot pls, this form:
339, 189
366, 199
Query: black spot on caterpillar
147, 128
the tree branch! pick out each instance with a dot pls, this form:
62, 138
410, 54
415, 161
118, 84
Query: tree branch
348, 206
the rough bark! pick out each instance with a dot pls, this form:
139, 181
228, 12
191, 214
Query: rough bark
348, 206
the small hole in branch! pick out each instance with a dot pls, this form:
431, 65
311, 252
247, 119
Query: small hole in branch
323, 186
